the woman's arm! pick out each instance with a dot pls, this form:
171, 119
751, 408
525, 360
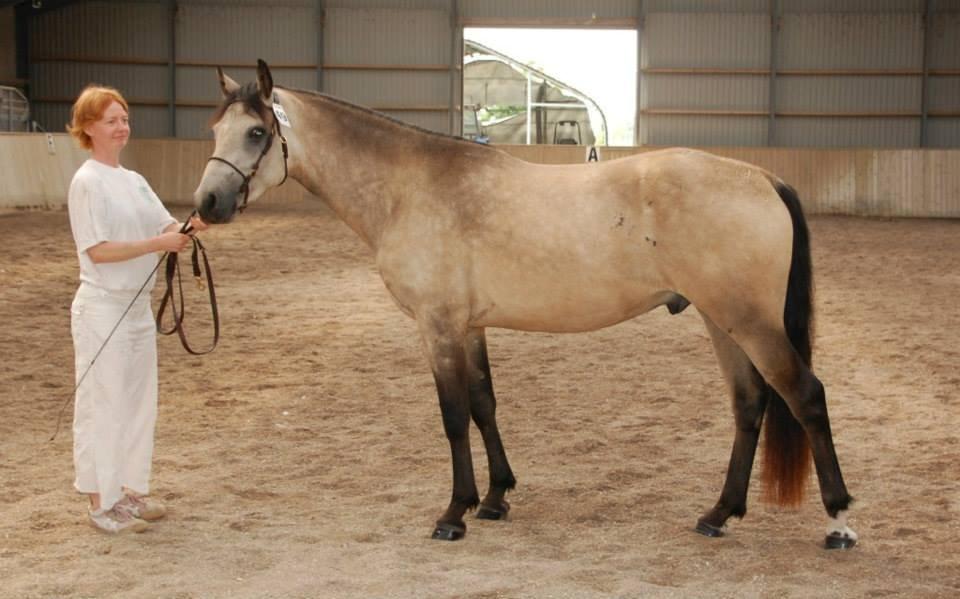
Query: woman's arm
121, 251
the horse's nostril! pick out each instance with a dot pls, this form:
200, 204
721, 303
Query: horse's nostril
208, 203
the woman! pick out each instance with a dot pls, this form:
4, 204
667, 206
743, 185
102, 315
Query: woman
119, 226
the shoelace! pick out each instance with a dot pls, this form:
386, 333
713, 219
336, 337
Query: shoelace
136, 502
121, 511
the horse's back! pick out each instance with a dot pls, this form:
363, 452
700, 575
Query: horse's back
572, 248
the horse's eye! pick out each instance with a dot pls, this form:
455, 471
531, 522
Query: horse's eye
257, 133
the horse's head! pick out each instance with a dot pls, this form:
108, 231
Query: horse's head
248, 157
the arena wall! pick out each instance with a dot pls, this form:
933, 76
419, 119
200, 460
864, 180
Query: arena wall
35, 171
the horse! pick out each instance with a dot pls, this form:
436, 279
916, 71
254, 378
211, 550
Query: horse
467, 237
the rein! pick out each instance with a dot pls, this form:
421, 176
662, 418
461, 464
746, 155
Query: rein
173, 271
245, 185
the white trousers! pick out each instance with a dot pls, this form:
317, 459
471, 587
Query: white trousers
115, 413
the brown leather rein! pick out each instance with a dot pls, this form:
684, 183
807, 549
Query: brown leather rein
172, 272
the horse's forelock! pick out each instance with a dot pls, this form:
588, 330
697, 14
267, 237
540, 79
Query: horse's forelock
249, 96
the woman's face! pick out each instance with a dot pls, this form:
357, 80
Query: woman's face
112, 130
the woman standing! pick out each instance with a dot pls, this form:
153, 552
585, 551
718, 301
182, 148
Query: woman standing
119, 225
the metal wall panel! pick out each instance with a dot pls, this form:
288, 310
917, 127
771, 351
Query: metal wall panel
59, 83
228, 33
549, 9
706, 92
851, 41
943, 132
848, 94
99, 30
390, 88
944, 40
717, 40
944, 93
848, 132
53, 117
386, 37
194, 123
355, 38
230, 4
102, 30
702, 6
661, 130
426, 4
65, 80
852, 6
8, 46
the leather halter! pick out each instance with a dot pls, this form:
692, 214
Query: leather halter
245, 185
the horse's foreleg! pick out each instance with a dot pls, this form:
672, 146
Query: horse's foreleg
748, 391
483, 407
445, 350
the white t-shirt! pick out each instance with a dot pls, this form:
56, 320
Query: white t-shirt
114, 204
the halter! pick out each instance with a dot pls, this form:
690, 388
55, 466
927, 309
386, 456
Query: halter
245, 185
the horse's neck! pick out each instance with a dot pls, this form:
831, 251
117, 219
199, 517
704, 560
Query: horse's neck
359, 164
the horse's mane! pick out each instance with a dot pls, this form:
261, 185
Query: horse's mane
322, 97
249, 96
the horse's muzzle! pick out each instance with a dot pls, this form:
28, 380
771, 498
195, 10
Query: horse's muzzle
216, 209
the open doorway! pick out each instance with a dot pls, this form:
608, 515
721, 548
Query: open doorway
550, 86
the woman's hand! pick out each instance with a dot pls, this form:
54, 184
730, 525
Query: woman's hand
173, 241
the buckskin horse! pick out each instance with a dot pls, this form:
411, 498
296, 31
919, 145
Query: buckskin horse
557, 249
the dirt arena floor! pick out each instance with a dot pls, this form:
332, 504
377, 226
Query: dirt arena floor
305, 457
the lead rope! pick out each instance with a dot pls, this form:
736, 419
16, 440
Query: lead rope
167, 256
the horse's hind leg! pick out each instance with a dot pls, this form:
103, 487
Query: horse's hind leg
749, 395
483, 407
444, 344
785, 371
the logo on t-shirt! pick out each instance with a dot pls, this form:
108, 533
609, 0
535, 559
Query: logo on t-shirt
145, 193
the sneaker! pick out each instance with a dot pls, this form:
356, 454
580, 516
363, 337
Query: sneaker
142, 507
116, 520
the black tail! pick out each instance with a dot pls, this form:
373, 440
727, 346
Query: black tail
786, 451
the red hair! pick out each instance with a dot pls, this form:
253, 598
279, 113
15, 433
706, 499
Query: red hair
89, 108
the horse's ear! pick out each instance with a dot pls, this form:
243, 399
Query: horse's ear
227, 85
264, 80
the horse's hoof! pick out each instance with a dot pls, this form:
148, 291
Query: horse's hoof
486, 512
836, 541
709, 530
448, 532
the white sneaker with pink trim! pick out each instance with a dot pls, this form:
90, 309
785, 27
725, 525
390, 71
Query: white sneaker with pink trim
117, 519
143, 507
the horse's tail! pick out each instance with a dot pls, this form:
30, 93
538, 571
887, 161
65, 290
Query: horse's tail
786, 456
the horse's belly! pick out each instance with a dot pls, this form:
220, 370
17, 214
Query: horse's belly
574, 306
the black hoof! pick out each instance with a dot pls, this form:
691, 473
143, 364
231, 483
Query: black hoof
448, 532
709, 530
486, 512
834, 541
